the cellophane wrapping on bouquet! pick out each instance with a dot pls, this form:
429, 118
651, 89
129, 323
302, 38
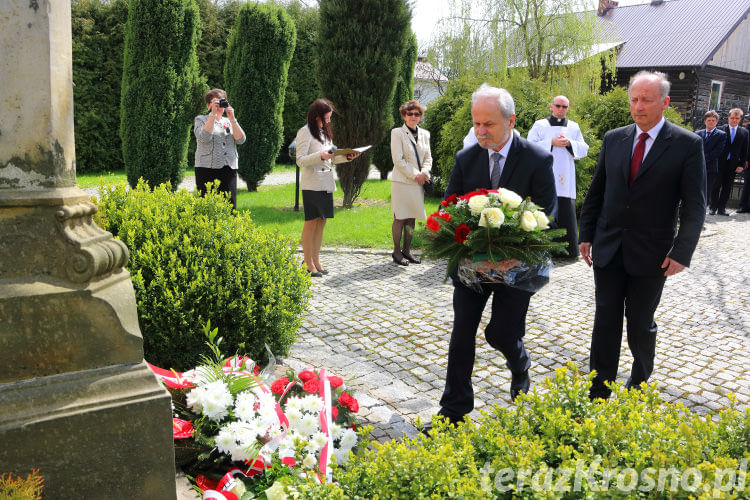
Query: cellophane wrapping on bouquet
530, 278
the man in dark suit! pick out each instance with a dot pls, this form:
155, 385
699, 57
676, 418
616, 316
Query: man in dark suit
713, 145
745, 197
644, 173
500, 159
732, 161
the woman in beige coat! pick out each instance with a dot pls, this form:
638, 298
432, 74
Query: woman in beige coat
412, 162
315, 157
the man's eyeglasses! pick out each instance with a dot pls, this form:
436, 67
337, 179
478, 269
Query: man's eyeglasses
565, 106
415, 113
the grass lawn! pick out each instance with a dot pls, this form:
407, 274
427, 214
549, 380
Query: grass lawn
367, 225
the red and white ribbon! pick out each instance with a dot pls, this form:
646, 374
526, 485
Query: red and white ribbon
325, 425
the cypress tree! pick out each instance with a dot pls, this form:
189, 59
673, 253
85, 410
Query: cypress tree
302, 88
360, 43
259, 51
98, 30
160, 86
381, 155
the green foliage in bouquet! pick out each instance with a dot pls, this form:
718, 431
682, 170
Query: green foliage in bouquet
556, 443
490, 226
192, 261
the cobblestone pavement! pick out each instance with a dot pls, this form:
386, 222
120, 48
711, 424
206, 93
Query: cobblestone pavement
385, 329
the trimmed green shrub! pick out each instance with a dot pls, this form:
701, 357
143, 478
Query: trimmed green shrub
98, 30
160, 86
192, 261
441, 111
555, 443
359, 47
302, 87
381, 155
259, 51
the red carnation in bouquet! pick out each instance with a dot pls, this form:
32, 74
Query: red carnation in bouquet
312, 386
335, 381
306, 375
462, 232
279, 385
345, 399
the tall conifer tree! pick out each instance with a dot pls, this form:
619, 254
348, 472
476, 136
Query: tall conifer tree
359, 47
255, 74
160, 86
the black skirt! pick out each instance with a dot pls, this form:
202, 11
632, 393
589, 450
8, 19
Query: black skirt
317, 204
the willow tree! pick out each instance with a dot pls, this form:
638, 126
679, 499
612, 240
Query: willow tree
259, 51
381, 155
360, 43
558, 43
160, 86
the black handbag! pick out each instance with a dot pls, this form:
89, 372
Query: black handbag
427, 186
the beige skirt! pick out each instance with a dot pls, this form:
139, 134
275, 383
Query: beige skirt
407, 201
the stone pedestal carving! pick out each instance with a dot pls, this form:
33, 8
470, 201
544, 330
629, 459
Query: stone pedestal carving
77, 400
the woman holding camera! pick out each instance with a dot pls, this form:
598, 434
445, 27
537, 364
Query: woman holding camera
216, 152
315, 156
412, 161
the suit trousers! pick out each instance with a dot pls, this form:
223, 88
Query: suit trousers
566, 218
722, 186
504, 332
638, 296
708, 188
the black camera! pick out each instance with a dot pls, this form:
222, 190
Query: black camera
332, 150
223, 103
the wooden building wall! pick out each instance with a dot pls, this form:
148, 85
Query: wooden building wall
736, 93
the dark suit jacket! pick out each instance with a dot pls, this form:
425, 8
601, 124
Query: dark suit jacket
712, 148
738, 148
642, 218
527, 171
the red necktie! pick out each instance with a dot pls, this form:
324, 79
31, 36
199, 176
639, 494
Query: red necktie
635, 162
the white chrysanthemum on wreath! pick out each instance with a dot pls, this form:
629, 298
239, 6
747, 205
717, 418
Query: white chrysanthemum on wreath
294, 403
509, 198
318, 440
335, 430
309, 461
528, 221
342, 456
348, 439
478, 203
308, 426
312, 404
542, 220
244, 406
491, 217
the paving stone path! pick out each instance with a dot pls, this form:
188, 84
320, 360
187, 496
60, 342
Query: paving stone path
385, 329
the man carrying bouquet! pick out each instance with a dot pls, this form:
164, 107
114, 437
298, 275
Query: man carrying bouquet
500, 159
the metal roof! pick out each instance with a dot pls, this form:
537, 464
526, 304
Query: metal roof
672, 33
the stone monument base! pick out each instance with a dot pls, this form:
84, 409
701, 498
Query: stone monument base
94, 434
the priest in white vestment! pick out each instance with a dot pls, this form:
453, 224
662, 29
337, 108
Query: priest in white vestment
563, 138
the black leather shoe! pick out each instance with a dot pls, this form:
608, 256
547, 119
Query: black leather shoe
316, 274
323, 271
453, 421
411, 259
519, 383
723, 212
712, 211
401, 262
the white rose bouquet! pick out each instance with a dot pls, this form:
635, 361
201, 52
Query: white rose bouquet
493, 236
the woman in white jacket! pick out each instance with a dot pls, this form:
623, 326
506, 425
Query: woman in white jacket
315, 157
412, 162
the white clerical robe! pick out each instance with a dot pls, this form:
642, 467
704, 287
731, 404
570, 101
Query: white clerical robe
563, 165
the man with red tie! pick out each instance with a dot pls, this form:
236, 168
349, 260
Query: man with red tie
629, 230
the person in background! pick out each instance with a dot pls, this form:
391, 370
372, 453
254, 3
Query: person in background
562, 137
745, 196
315, 156
713, 145
732, 162
216, 138
412, 162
